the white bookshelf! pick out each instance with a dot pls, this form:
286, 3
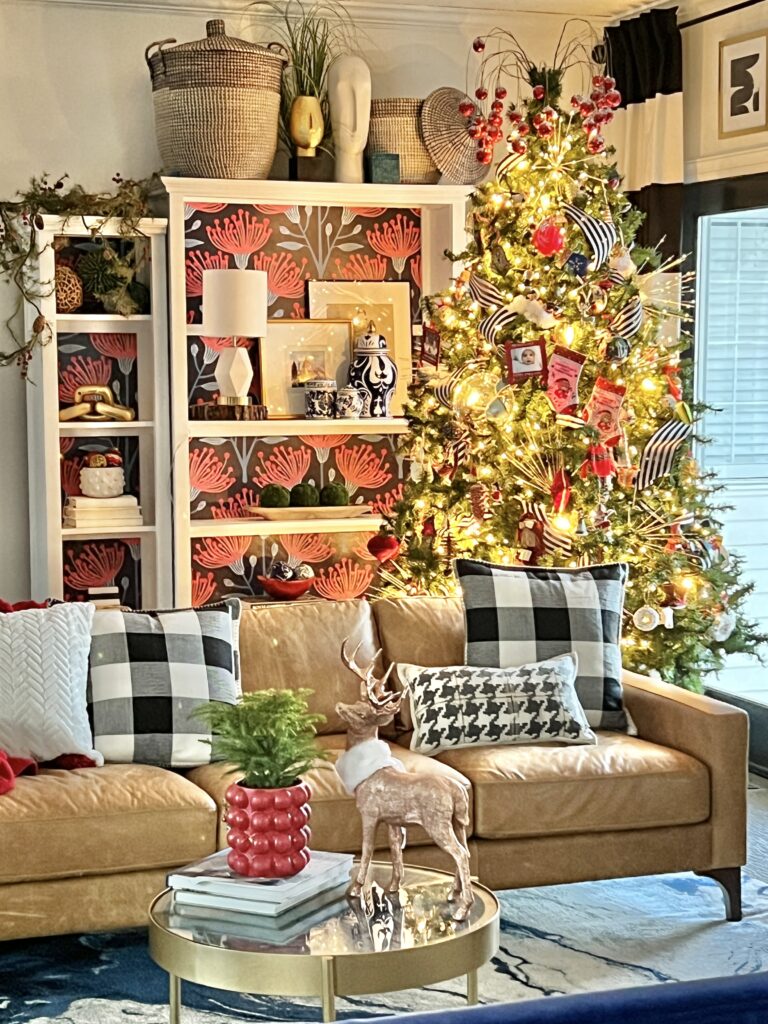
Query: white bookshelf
151, 428
443, 214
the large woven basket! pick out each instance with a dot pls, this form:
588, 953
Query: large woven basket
217, 103
396, 128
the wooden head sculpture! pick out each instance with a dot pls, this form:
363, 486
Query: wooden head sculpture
387, 794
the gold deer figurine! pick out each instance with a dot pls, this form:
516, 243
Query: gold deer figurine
385, 792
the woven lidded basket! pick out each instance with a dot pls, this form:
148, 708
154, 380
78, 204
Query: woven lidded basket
217, 104
396, 128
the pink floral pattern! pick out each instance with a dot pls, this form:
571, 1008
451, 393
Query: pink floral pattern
241, 235
397, 238
285, 466
95, 565
208, 473
217, 552
361, 267
203, 588
362, 467
343, 581
81, 371
306, 547
285, 277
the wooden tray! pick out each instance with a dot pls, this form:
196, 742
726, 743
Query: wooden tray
285, 515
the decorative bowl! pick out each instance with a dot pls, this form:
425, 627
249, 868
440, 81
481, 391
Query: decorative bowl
285, 590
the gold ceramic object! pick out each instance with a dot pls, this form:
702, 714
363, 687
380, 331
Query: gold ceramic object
95, 402
306, 125
382, 942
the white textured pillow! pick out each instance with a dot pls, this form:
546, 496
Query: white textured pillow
43, 679
464, 706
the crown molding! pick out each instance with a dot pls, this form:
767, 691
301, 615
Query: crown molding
433, 13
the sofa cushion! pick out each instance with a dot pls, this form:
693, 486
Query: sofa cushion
94, 821
622, 783
335, 821
297, 645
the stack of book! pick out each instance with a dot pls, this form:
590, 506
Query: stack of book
104, 597
103, 513
210, 898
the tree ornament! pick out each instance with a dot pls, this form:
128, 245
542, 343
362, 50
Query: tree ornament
595, 143
563, 372
473, 394
478, 44
478, 497
545, 130
481, 92
519, 147
582, 530
578, 264
428, 528
467, 108
549, 236
499, 260
384, 546
646, 619
539, 92
500, 92
617, 349
534, 311
723, 625
622, 263
603, 409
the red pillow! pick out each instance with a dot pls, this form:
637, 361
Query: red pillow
20, 606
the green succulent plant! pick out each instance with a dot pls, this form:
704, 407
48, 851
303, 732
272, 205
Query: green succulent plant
269, 737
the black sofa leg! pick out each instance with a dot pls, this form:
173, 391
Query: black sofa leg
729, 880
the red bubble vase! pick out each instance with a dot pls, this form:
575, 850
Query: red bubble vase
268, 830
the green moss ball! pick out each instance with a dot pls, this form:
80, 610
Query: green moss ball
304, 495
334, 494
275, 496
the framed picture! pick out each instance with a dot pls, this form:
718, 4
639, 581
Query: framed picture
296, 351
387, 304
743, 84
429, 350
526, 359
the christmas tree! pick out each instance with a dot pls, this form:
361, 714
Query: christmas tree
554, 429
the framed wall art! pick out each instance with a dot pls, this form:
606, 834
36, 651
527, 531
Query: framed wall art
526, 359
296, 351
387, 304
743, 85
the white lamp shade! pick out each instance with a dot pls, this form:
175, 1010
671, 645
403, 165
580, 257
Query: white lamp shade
235, 303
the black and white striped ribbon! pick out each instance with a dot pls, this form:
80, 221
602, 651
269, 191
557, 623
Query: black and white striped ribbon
629, 319
484, 292
491, 325
681, 521
508, 163
659, 453
569, 421
600, 234
445, 388
615, 277
554, 539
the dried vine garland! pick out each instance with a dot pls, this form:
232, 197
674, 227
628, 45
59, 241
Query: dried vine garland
21, 220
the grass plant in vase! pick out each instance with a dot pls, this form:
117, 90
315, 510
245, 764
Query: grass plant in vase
269, 739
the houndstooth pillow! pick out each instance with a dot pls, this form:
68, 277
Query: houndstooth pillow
516, 615
462, 706
150, 670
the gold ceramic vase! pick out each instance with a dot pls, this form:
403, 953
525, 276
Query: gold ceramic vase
306, 125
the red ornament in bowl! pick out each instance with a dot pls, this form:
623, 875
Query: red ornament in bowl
268, 830
285, 590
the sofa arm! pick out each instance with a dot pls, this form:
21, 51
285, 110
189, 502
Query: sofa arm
713, 732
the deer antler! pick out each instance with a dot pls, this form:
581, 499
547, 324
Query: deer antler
371, 689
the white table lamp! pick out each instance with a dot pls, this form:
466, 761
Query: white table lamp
235, 306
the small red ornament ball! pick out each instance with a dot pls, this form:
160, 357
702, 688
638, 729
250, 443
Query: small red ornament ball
538, 119
586, 108
598, 81
523, 129
515, 116
609, 83
497, 106
545, 130
613, 97
485, 156
596, 143
500, 92
478, 44
475, 131
467, 108
519, 147
549, 113
576, 101
481, 92
495, 120
549, 237
614, 181
539, 92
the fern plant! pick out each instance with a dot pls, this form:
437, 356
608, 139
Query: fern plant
269, 737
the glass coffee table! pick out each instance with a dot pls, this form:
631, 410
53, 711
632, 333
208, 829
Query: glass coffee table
381, 943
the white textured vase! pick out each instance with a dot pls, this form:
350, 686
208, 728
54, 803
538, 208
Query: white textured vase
102, 482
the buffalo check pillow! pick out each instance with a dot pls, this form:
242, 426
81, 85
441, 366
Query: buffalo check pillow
516, 615
148, 673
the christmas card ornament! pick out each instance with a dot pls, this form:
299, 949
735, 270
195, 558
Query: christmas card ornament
484, 292
384, 547
628, 321
563, 374
617, 349
603, 410
373, 372
525, 359
646, 619
600, 235
659, 453
549, 237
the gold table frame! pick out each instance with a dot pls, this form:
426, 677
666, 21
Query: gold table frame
332, 974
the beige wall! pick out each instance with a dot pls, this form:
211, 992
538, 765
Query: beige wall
75, 97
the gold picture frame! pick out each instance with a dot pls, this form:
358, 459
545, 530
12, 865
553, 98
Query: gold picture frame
295, 351
743, 79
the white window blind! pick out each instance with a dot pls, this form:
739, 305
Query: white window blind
732, 343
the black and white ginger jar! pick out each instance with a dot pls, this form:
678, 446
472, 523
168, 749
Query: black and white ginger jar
373, 372
320, 399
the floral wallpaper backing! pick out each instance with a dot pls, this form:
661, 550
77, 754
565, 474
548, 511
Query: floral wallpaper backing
107, 359
74, 449
103, 563
293, 244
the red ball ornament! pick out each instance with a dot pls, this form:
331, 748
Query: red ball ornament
549, 113
576, 101
598, 81
485, 157
479, 121
500, 92
494, 135
467, 108
545, 130
596, 96
539, 92
515, 116
614, 181
475, 131
481, 92
519, 147
495, 120
613, 97
478, 45
523, 129
549, 237
586, 108
596, 143
538, 119
608, 82
497, 105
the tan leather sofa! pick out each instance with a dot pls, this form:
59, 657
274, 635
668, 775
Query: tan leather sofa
86, 850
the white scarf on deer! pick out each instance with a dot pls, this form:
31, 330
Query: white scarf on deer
356, 765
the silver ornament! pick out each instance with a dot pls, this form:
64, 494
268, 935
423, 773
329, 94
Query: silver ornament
646, 619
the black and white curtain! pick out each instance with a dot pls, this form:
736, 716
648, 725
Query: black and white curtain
644, 55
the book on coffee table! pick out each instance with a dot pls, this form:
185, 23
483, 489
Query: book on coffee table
211, 883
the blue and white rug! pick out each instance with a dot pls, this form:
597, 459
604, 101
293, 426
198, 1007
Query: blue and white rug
568, 938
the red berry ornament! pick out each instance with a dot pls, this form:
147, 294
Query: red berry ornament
545, 130
538, 119
495, 120
485, 156
481, 92
549, 113
497, 105
549, 237
467, 108
478, 44
587, 107
613, 98
576, 101
539, 92
596, 143
475, 131
598, 81
500, 93
515, 116
519, 147
523, 129
608, 82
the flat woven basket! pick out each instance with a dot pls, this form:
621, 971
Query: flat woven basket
217, 104
446, 137
396, 128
